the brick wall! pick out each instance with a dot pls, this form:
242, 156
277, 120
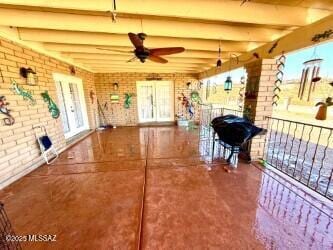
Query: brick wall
116, 113
261, 78
19, 152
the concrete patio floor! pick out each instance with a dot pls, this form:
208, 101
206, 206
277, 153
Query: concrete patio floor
149, 188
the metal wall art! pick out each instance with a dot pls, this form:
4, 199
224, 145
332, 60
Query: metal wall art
241, 93
195, 97
9, 120
321, 36
53, 108
128, 100
279, 77
271, 50
185, 101
26, 94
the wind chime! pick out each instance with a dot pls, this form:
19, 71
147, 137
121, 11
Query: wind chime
312, 67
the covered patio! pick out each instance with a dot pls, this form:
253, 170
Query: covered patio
149, 188
106, 135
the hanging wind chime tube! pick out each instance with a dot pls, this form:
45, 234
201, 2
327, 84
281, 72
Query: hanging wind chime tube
279, 78
312, 67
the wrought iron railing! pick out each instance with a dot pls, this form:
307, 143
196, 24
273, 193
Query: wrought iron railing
8, 239
280, 203
208, 113
302, 151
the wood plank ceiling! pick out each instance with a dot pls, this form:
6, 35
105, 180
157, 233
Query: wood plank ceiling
77, 29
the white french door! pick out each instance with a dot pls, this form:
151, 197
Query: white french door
72, 104
155, 101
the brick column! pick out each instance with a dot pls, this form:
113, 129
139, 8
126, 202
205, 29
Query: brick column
260, 86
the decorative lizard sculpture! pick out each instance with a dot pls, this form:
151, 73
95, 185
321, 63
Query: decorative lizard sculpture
53, 109
9, 120
27, 95
128, 100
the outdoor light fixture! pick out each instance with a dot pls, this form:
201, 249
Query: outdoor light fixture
228, 84
188, 84
115, 86
30, 75
72, 70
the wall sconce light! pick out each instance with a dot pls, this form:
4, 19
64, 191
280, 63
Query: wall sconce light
115, 86
228, 84
30, 75
188, 84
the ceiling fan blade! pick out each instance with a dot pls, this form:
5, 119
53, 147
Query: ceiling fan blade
116, 50
157, 59
132, 59
136, 41
166, 51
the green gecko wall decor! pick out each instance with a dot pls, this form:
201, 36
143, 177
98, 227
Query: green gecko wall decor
53, 108
26, 94
128, 100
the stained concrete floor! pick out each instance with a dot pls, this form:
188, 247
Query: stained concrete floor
149, 188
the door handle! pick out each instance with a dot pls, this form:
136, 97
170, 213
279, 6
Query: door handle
72, 110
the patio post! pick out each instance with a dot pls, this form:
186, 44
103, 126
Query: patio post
258, 99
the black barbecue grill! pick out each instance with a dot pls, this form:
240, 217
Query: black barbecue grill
233, 133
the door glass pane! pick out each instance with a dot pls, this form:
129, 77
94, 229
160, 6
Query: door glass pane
146, 107
62, 106
76, 108
163, 101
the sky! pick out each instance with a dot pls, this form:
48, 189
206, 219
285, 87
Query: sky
294, 64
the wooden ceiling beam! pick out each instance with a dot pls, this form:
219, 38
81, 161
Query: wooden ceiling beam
107, 56
122, 59
103, 39
91, 49
153, 27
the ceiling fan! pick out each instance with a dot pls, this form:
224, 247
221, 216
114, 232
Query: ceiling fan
142, 53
